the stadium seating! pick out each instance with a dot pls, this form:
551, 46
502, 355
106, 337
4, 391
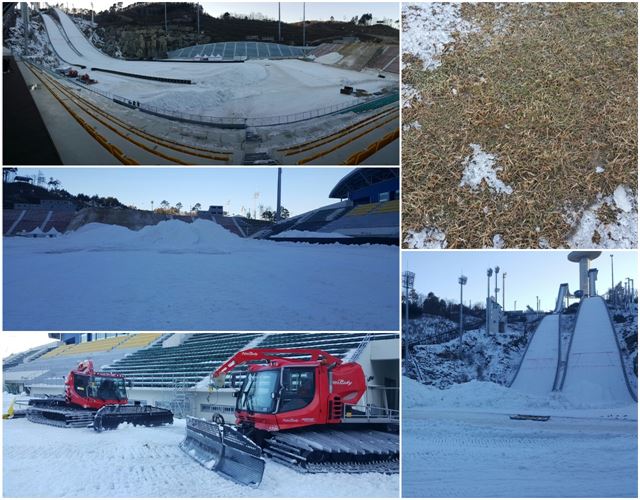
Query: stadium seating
238, 50
139, 340
33, 218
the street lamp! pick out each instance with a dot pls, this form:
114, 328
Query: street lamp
463, 281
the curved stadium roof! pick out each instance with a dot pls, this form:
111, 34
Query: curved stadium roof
361, 177
233, 50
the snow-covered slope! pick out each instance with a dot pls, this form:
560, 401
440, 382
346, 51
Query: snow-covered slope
594, 367
537, 372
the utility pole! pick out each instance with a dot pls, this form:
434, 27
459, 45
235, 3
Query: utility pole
463, 281
278, 205
304, 25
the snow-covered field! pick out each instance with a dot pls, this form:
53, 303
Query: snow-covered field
460, 442
255, 88
195, 276
44, 461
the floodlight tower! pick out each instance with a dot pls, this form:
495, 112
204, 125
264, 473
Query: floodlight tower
279, 20
463, 281
584, 258
166, 26
408, 279
497, 271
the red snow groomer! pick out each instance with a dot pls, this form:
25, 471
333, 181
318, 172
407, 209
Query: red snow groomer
87, 80
299, 408
94, 399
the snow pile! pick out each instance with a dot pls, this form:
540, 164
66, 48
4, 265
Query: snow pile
429, 28
295, 233
498, 241
330, 58
196, 276
429, 237
479, 167
591, 232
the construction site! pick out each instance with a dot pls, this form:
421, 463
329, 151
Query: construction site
251, 102
291, 414
523, 400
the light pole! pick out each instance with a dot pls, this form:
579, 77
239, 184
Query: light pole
279, 206
504, 304
497, 270
304, 25
279, 32
488, 306
408, 279
166, 26
463, 281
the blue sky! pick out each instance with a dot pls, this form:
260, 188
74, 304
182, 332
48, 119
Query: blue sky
290, 11
303, 189
529, 273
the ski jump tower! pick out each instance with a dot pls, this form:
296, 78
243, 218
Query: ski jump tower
587, 275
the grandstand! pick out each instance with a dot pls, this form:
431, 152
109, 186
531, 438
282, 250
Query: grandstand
359, 56
172, 370
370, 212
234, 51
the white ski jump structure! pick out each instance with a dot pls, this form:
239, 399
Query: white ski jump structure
591, 371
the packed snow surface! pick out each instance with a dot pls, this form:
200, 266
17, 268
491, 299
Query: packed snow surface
460, 442
429, 27
479, 167
330, 58
622, 232
255, 88
197, 276
45, 461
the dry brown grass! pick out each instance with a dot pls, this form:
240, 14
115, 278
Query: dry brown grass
552, 94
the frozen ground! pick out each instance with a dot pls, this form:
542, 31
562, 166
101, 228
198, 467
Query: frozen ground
179, 276
255, 88
460, 442
44, 461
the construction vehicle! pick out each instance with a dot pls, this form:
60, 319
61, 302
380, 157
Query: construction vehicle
94, 399
86, 79
299, 408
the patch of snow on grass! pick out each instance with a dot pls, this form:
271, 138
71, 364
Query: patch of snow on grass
498, 241
429, 237
409, 95
416, 125
330, 58
599, 169
480, 167
429, 27
622, 233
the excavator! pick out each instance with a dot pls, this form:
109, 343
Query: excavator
297, 407
94, 399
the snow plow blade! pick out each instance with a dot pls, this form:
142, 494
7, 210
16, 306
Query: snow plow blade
111, 416
223, 449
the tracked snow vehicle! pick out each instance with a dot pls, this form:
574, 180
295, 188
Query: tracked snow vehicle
302, 413
94, 399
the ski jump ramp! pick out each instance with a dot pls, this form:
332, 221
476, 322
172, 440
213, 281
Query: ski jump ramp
537, 371
595, 372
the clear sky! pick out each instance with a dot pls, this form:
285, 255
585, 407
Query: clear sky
529, 274
303, 189
290, 11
